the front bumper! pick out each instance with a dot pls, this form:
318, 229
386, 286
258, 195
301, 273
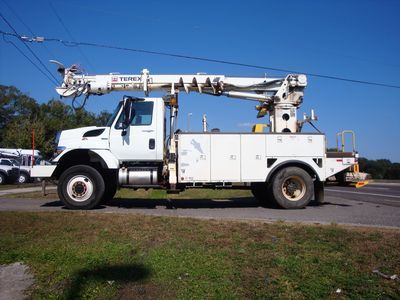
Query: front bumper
43, 171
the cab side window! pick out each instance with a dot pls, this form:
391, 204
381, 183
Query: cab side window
143, 112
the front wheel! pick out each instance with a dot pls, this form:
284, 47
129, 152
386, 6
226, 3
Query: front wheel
81, 187
23, 178
292, 187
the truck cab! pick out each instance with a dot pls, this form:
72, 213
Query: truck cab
135, 132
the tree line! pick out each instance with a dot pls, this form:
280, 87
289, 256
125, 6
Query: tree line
19, 114
380, 168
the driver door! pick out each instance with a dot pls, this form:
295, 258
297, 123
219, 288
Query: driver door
138, 141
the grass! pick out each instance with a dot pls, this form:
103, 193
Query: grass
103, 256
19, 185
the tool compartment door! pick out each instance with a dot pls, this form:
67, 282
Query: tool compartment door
194, 158
254, 161
225, 157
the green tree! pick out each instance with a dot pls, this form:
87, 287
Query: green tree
15, 104
18, 134
380, 169
393, 172
19, 114
102, 118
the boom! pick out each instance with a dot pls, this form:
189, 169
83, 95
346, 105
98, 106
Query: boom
280, 97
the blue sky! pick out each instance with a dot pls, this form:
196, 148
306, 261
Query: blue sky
352, 39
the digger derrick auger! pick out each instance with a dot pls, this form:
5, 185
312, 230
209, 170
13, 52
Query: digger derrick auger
278, 97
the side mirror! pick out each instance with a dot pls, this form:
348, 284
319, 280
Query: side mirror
128, 113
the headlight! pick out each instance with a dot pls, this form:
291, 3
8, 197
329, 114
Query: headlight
58, 151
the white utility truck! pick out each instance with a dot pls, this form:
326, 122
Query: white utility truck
137, 150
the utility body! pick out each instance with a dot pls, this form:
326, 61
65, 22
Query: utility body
137, 148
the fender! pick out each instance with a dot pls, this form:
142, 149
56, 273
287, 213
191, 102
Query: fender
109, 159
299, 163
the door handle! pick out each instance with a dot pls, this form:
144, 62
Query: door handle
148, 130
152, 144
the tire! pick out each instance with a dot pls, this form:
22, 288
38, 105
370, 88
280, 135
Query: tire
110, 186
260, 191
81, 187
319, 192
292, 187
2, 179
23, 178
109, 193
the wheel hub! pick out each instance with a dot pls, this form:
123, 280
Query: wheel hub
80, 188
293, 188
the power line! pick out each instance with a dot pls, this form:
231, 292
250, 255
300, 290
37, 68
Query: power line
26, 25
31, 61
70, 34
31, 51
75, 44
19, 19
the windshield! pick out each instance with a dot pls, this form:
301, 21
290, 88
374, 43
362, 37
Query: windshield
114, 115
5, 162
15, 162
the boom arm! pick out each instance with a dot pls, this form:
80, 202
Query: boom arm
280, 97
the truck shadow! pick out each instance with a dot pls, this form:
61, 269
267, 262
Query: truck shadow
184, 203
240, 202
108, 274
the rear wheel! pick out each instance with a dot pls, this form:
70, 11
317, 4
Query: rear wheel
81, 187
2, 178
260, 192
292, 187
319, 192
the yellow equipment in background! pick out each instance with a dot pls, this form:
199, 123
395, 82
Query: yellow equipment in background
353, 176
259, 127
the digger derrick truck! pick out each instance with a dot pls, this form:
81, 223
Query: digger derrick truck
137, 150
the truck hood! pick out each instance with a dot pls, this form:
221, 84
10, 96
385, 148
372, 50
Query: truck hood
91, 137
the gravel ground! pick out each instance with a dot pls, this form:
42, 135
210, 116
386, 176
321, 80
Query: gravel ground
15, 281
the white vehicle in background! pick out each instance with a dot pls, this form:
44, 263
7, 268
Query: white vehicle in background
21, 159
138, 150
8, 174
24, 171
